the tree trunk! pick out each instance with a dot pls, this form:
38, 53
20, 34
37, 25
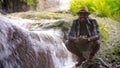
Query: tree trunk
10, 6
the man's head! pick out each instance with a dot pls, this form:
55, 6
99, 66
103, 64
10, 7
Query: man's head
83, 12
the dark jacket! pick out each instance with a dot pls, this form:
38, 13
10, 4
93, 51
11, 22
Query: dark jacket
91, 25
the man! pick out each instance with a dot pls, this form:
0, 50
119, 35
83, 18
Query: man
83, 36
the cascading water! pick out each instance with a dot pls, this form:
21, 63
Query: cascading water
64, 4
52, 5
51, 40
20, 48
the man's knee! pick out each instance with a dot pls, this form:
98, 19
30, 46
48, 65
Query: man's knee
67, 44
71, 47
97, 43
95, 46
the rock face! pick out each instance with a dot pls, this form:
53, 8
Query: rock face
63, 25
95, 63
17, 49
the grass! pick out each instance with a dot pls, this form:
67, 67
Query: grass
34, 15
30, 2
103, 32
109, 8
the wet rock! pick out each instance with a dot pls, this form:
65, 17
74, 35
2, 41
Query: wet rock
95, 63
54, 24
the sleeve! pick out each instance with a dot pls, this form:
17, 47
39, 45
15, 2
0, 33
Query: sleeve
71, 31
96, 29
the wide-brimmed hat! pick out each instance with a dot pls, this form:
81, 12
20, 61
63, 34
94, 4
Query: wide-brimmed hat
83, 9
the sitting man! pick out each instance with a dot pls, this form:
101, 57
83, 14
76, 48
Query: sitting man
83, 36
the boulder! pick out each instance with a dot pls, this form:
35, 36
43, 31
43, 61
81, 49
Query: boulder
95, 63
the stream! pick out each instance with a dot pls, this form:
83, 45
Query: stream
19, 46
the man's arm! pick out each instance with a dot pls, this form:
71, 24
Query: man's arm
96, 32
71, 32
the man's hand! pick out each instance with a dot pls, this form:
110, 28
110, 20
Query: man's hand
93, 38
81, 40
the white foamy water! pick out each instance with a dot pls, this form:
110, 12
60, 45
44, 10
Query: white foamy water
43, 40
53, 5
64, 4
52, 40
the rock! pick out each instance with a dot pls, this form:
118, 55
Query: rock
95, 63
62, 24
54, 24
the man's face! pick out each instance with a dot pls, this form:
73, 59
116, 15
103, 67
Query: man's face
83, 16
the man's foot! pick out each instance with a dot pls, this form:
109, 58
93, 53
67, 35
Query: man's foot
90, 57
80, 60
78, 64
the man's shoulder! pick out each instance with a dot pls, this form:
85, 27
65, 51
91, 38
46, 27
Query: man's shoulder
75, 20
92, 19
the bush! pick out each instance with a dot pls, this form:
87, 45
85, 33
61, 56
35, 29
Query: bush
29, 2
99, 7
103, 32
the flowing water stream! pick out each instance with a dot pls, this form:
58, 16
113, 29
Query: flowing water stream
21, 48
52, 5
64, 4
51, 40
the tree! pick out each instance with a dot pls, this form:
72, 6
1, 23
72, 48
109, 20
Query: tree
15, 5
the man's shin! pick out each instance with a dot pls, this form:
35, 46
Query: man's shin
72, 48
95, 46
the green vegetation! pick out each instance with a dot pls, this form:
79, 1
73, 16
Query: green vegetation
103, 32
109, 8
34, 15
113, 53
29, 2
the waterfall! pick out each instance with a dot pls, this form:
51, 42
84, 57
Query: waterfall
52, 5
21, 48
64, 4
51, 40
